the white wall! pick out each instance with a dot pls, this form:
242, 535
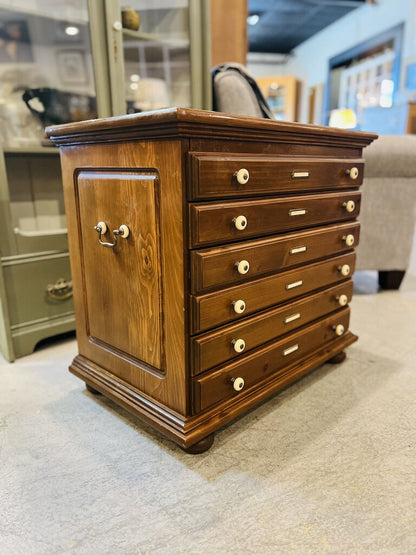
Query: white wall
311, 58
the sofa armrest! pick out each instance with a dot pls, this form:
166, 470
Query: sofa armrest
391, 156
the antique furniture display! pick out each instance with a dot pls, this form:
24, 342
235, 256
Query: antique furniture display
211, 258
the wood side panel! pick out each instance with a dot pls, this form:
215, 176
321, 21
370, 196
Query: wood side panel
171, 388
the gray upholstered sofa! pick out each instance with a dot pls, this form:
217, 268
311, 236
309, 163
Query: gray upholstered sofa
388, 213
388, 192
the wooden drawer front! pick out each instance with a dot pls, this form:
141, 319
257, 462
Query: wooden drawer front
217, 347
27, 280
217, 386
213, 176
217, 223
224, 266
214, 309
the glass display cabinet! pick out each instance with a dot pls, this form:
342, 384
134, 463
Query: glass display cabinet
63, 61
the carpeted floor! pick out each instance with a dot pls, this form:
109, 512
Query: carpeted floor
327, 466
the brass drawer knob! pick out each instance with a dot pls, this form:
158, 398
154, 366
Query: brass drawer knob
239, 306
242, 176
238, 345
242, 267
238, 383
339, 329
353, 173
240, 222
349, 239
342, 300
344, 270
349, 206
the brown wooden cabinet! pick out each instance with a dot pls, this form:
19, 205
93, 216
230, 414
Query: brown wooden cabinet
211, 257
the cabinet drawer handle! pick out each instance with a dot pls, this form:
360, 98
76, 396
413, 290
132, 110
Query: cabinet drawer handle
292, 318
60, 291
349, 239
342, 300
300, 175
101, 228
290, 350
238, 383
339, 329
353, 173
238, 345
240, 222
242, 267
349, 205
294, 284
344, 270
297, 212
242, 176
296, 250
239, 306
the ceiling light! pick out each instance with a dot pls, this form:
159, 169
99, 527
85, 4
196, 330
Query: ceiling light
253, 19
71, 30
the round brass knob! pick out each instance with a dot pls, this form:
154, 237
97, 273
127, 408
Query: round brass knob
349, 206
242, 176
240, 222
239, 345
349, 239
239, 306
339, 329
353, 172
238, 383
345, 270
242, 267
342, 300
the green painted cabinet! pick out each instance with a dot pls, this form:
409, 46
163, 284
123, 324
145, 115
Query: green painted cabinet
62, 62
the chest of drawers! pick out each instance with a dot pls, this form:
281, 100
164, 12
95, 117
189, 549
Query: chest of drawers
211, 259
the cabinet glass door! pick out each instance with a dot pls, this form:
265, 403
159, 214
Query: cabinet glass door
46, 73
163, 53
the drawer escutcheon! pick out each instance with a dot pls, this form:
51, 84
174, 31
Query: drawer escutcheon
296, 250
300, 175
297, 212
294, 284
290, 350
292, 318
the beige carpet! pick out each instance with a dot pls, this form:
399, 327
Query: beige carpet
327, 466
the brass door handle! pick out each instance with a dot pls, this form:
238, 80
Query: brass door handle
60, 291
101, 228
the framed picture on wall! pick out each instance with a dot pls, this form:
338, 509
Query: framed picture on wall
72, 68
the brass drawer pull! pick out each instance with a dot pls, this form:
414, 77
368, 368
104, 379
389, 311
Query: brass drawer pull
296, 250
242, 176
240, 222
353, 173
60, 291
238, 383
292, 318
297, 212
101, 228
238, 345
349, 239
342, 300
294, 284
300, 175
339, 329
349, 205
290, 350
242, 267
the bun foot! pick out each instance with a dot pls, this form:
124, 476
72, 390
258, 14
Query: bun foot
201, 446
92, 390
336, 359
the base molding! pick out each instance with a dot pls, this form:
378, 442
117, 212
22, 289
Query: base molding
189, 430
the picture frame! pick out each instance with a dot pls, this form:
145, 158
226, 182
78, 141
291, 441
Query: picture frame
72, 68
